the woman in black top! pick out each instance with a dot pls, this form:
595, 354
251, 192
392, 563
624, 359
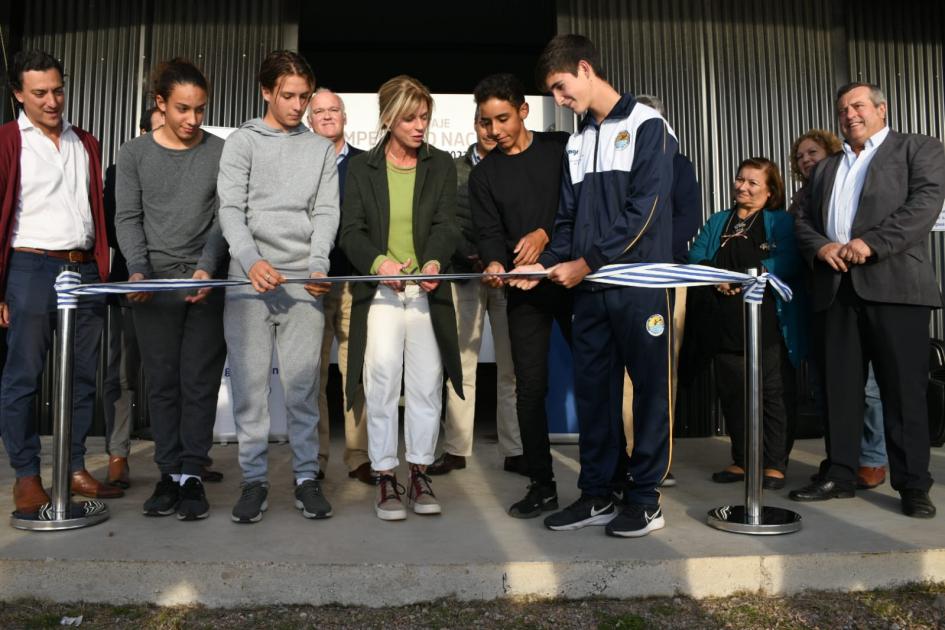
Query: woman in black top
758, 234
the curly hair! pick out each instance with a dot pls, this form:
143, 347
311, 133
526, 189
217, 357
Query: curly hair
826, 139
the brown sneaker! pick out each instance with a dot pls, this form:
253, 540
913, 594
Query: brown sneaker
118, 472
869, 477
420, 494
29, 495
389, 506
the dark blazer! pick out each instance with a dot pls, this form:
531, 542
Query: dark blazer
365, 225
900, 202
338, 262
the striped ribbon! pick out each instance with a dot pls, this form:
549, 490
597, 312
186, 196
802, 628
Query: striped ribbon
69, 285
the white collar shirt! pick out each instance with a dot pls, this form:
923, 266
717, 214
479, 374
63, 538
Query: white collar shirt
848, 186
52, 209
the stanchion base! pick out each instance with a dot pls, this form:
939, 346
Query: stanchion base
774, 520
81, 514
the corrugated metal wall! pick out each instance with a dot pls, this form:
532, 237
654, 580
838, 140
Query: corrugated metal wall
740, 78
98, 45
108, 48
902, 51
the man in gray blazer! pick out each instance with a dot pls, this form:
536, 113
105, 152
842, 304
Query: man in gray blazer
864, 231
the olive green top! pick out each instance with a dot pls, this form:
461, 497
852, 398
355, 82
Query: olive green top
400, 249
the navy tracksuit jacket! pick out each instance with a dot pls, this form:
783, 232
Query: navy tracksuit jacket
616, 207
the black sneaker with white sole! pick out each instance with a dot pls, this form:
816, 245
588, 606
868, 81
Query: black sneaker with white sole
252, 502
583, 512
163, 501
540, 498
193, 501
309, 499
636, 520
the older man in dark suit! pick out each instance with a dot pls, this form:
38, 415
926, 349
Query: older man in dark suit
864, 230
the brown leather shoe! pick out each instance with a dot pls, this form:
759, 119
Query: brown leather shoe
28, 494
118, 472
86, 485
869, 477
364, 474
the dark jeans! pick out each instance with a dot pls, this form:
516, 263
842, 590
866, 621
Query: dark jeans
531, 314
895, 337
182, 351
31, 299
777, 422
620, 330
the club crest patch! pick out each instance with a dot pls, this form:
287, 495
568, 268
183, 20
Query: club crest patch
622, 141
655, 325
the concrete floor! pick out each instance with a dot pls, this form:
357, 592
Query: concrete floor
473, 551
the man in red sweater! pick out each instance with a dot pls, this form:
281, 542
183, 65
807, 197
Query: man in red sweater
51, 214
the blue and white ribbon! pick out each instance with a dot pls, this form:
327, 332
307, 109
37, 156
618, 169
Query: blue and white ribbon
665, 276
649, 275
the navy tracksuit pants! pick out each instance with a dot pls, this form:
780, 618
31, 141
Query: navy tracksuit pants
613, 330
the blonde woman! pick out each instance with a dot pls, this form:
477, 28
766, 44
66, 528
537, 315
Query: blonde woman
399, 219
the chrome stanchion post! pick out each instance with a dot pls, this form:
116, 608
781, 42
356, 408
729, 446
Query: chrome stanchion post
753, 445
61, 513
753, 517
62, 411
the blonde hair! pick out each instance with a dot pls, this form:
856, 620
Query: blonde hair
398, 98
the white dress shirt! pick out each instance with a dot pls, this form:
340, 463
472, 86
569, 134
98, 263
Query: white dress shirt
345, 150
848, 185
52, 210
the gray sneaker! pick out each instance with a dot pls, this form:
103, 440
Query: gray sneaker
420, 494
388, 505
252, 503
309, 499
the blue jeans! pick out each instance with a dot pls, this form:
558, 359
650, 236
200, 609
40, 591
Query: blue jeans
873, 443
31, 300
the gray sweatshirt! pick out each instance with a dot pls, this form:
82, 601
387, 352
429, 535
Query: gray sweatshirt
278, 199
166, 207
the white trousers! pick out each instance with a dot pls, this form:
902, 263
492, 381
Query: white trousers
401, 343
472, 299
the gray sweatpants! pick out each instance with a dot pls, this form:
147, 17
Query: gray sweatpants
251, 321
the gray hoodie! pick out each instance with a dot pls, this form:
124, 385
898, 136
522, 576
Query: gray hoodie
278, 199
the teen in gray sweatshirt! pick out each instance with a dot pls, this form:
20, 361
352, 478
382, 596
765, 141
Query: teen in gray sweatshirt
166, 226
278, 188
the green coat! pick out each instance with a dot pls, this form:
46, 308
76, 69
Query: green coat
363, 237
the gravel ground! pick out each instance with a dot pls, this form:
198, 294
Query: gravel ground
916, 606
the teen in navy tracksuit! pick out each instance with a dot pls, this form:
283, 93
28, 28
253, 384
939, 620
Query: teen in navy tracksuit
615, 208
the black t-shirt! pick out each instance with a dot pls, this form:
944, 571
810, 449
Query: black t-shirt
512, 195
743, 246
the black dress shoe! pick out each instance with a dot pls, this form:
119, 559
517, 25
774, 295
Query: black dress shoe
917, 504
211, 476
823, 491
445, 463
516, 464
772, 483
727, 476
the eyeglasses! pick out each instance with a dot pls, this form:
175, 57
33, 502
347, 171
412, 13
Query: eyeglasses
334, 111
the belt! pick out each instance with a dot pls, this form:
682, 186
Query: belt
70, 255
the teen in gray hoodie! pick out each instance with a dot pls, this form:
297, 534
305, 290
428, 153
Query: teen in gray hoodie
278, 188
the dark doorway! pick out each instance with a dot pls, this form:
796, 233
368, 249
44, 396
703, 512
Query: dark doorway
355, 47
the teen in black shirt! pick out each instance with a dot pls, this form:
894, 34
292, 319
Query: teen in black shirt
514, 197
